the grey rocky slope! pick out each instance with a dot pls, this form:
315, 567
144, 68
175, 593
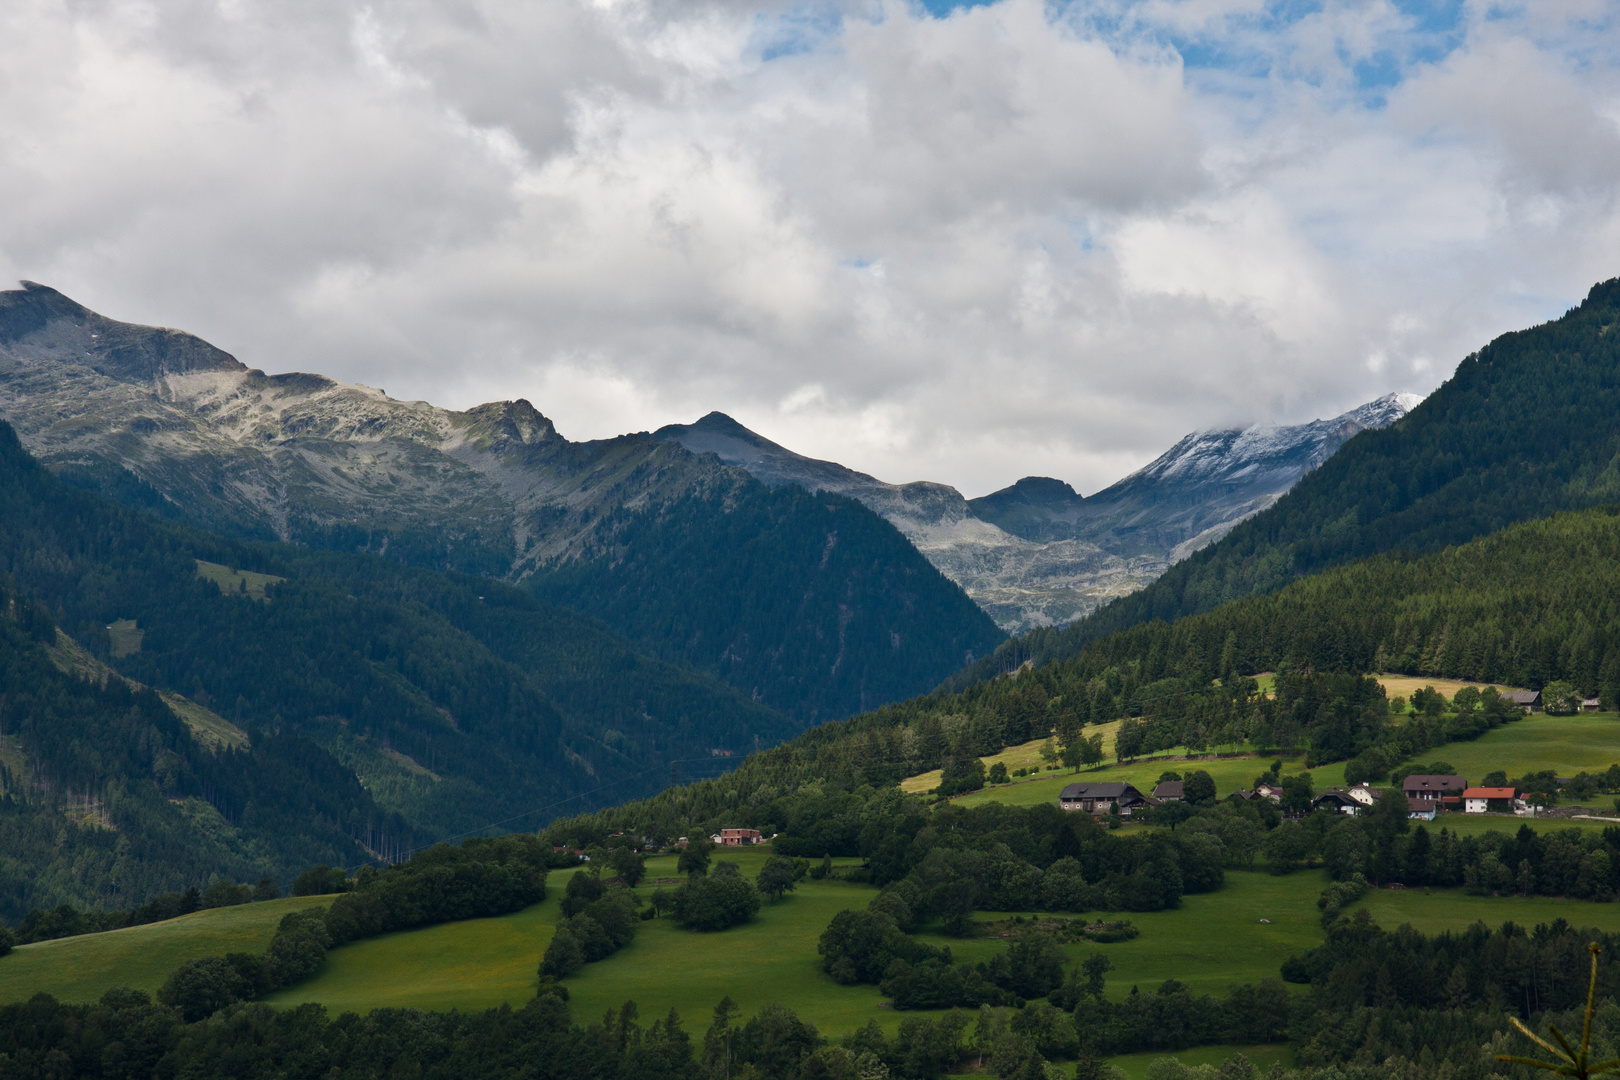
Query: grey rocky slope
163, 418
1038, 553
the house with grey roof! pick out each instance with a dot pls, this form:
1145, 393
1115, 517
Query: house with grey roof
1102, 798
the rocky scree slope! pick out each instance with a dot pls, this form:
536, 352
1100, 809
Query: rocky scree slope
1037, 553
160, 419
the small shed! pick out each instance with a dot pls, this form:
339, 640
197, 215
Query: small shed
1528, 700
1169, 791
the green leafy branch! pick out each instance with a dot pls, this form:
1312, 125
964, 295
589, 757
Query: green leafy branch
1569, 1061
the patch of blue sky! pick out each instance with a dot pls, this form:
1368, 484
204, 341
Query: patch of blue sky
939, 9
797, 30
1252, 44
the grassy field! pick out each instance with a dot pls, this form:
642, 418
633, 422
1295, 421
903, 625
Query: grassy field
1564, 744
1229, 775
237, 581
1135, 1065
490, 961
83, 968
1435, 910
1406, 685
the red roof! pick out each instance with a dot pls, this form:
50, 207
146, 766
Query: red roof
1489, 793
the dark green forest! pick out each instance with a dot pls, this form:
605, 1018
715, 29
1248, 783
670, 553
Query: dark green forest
92, 817
1526, 427
1534, 603
461, 701
810, 603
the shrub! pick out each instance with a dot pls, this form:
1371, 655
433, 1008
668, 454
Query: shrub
200, 988
859, 947
717, 902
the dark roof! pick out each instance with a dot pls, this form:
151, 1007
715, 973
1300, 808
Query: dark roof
1335, 795
1523, 697
1110, 790
1435, 782
1169, 789
1423, 806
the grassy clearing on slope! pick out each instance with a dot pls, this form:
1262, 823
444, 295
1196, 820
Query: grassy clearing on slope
1564, 744
83, 968
237, 582
1229, 774
477, 964
1406, 685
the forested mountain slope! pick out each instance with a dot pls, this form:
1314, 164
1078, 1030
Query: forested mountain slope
1526, 427
165, 421
459, 701
1037, 553
1528, 605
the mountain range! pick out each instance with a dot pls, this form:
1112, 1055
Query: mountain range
1038, 553
1526, 427
672, 549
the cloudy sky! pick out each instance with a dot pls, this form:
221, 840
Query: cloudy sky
930, 241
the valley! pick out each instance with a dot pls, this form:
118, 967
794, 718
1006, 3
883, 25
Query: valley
1038, 554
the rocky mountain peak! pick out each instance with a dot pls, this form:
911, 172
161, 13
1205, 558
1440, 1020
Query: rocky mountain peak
511, 422
43, 322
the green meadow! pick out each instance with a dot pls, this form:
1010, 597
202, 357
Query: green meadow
1229, 774
1564, 744
1240, 934
83, 968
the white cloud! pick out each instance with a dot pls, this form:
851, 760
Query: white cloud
1017, 239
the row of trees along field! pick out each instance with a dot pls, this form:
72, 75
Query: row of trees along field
1463, 464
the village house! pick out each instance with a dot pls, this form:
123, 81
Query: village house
736, 837
1479, 800
1169, 791
1424, 809
1102, 798
1363, 794
1338, 800
1432, 786
1528, 700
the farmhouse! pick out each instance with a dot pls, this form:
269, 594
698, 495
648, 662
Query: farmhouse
1363, 794
1591, 704
1338, 800
1432, 786
1102, 798
1478, 800
736, 837
1528, 700
1169, 791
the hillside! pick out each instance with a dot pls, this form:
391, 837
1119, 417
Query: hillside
343, 703
161, 420
1534, 603
1037, 553
1526, 427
